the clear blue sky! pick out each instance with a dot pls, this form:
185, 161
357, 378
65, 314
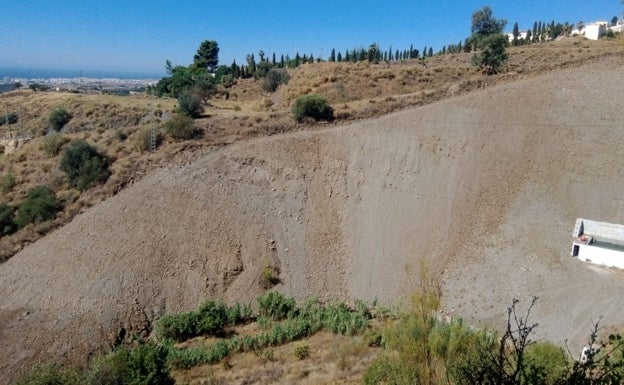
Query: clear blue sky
138, 36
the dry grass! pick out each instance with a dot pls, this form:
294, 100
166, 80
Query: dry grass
333, 359
116, 125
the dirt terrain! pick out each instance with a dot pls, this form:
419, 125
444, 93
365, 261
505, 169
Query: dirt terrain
485, 187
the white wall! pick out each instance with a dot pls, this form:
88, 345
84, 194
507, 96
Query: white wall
600, 256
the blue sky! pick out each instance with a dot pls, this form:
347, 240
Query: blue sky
138, 36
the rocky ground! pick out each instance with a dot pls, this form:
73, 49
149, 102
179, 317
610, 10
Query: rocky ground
484, 187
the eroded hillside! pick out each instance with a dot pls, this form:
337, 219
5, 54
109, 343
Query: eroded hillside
484, 186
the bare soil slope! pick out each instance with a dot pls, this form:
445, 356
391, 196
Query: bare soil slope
485, 186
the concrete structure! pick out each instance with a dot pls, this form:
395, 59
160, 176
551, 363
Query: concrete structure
599, 243
595, 31
521, 35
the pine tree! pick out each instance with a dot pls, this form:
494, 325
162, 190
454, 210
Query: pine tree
332, 55
425, 52
430, 52
339, 57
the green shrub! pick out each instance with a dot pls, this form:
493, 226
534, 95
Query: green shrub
52, 143
7, 220
58, 119
312, 106
210, 318
50, 375
302, 351
269, 277
10, 118
546, 362
189, 104
7, 183
274, 78
274, 305
39, 206
180, 127
83, 165
144, 364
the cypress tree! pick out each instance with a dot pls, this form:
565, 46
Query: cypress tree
339, 57
332, 55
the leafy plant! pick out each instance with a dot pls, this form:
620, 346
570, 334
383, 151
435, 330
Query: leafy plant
58, 119
50, 375
180, 127
302, 351
313, 106
189, 104
39, 206
83, 165
144, 364
7, 183
274, 305
274, 78
7, 219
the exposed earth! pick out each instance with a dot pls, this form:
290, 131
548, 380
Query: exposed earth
484, 187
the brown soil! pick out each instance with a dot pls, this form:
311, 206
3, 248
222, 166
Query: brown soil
485, 187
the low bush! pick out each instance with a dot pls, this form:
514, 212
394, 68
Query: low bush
58, 119
189, 104
7, 183
180, 127
144, 364
39, 206
302, 351
273, 78
312, 106
50, 375
275, 306
83, 165
7, 220
10, 118
209, 319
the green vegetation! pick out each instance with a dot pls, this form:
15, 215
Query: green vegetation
143, 364
312, 106
10, 118
487, 35
7, 220
39, 206
417, 346
302, 351
7, 183
273, 78
83, 165
58, 119
210, 319
180, 127
189, 104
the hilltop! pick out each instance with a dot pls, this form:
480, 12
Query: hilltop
480, 176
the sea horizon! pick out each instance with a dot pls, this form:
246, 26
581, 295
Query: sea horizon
47, 73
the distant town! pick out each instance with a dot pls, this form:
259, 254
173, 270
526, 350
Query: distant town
77, 84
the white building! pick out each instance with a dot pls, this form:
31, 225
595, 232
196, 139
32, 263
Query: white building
599, 243
596, 30
521, 35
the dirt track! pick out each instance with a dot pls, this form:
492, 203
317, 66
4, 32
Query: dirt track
486, 187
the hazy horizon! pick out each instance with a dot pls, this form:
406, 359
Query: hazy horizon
50, 73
